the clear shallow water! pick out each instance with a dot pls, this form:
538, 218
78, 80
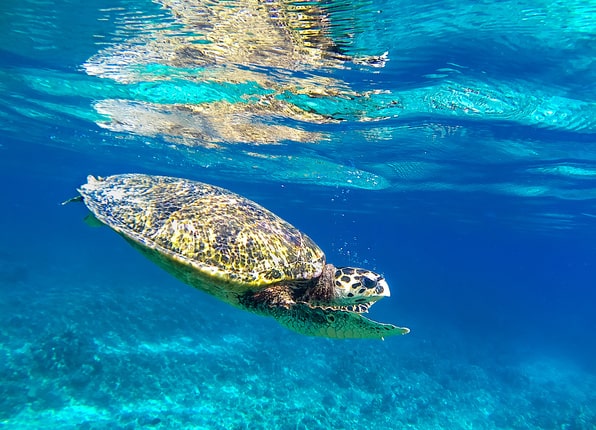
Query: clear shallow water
449, 145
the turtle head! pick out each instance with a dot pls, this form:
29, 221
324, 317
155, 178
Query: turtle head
354, 287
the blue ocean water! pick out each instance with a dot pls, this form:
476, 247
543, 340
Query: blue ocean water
449, 145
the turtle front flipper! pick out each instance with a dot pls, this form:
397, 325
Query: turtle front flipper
331, 323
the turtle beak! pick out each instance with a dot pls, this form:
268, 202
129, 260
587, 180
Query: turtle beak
382, 288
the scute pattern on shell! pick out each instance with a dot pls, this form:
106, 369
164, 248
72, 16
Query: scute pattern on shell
221, 234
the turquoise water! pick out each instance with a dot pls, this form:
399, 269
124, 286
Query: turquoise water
449, 145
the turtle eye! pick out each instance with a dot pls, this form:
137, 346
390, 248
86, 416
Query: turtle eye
368, 282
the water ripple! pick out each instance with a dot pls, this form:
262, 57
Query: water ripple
427, 96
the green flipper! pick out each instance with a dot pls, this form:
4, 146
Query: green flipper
317, 321
92, 221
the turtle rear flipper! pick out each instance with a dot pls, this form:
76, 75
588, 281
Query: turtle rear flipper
316, 321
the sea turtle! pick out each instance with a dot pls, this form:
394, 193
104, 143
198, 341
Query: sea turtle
228, 246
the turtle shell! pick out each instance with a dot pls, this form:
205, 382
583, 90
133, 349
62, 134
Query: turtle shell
222, 235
